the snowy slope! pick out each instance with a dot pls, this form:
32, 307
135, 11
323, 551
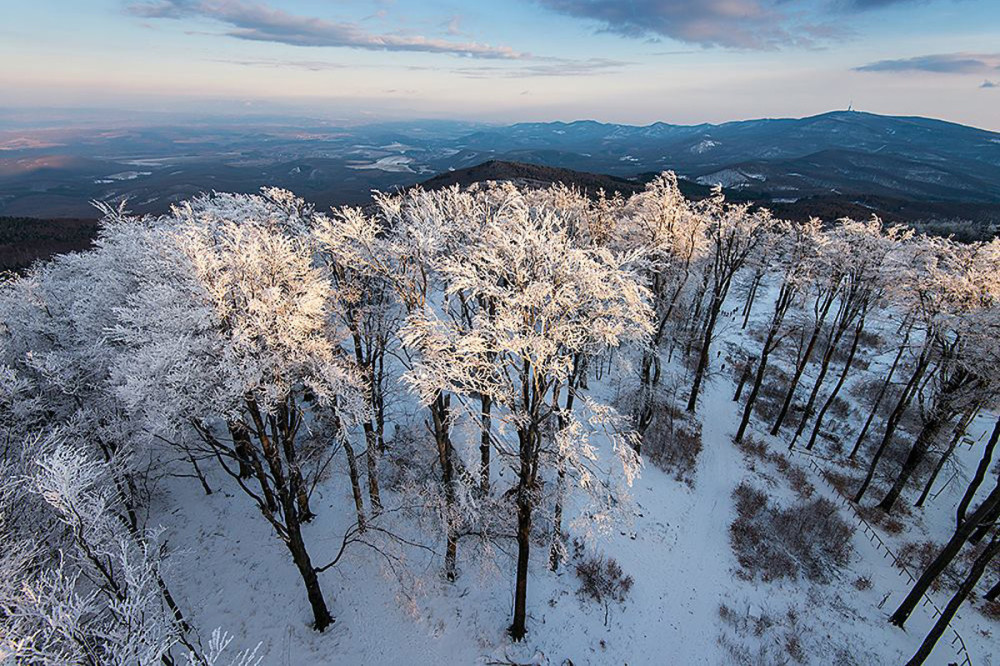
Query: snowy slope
231, 572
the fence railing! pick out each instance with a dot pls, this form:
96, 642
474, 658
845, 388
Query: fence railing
957, 643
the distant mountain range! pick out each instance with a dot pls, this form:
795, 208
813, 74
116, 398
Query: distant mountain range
977, 219
869, 161
842, 152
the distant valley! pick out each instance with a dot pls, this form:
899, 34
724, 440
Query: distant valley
838, 163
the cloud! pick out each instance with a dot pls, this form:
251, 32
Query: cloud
454, 26
259, 22
310, 65
742, 24
941, 63
990, 84
550, 67
515, 70
875, 4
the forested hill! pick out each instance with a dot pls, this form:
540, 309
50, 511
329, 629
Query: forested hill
851, 155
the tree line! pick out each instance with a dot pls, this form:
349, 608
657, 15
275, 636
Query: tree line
253, 337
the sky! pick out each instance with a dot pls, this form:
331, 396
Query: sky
637, 62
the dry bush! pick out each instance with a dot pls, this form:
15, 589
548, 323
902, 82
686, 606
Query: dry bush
799, 481
673, 442
871, 341
603, 581
807, 539
756, 450
863, 583
917, 555
864, 389
839, 409
842, 481
893, 525
409, 459
771, 395
890, 523
757, 639
991, 609
753, 448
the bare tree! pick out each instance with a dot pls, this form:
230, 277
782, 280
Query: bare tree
734, 234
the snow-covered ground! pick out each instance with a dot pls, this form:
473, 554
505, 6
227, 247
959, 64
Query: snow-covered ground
231, 572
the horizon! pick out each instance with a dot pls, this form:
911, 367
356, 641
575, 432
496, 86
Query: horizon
361, 61
284, 120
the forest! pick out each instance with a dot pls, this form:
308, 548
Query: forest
521, 419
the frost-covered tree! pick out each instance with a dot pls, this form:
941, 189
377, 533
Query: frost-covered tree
735, 232
824, 290
54, 341
865, 256
554, 301
794, 255
668, 235
949, 290
962, 306
401, 242
229, 335
101, 598
367, 310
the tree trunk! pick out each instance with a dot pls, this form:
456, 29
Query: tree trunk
928, 435
201, 477
321, 615
557, 548
524, 508
993, 593
839, 385
881, 394
894, 418
286, 490
243, 447
960, 429
752, 398
748, 367
985, 524
517, 627
940, 414
371, 464
751, 297
484, 444
822, 311
981, 469
644, 406
699, 373
440, 415
945, 557
352, 468
978, 567
839, 327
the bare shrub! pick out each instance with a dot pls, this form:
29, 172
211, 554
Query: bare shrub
772, 393
842, 481
991, 609
863, 583
891, 523
752, 447
673, 442
602, 580
840, 408
754, 638
917, 555
808, 539
798, 479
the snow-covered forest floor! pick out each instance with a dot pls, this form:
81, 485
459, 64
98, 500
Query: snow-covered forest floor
500, 425
675, 545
